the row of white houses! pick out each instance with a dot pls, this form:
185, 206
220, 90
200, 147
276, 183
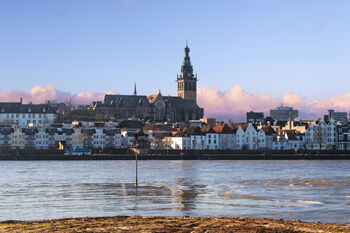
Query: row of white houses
61, 138
323, 135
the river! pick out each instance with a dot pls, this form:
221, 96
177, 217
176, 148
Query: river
304, 190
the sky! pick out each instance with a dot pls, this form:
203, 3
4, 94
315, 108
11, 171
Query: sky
249, 55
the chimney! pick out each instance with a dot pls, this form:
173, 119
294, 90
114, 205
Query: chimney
20, 100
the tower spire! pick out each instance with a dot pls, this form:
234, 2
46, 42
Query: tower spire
135, 92
187, 81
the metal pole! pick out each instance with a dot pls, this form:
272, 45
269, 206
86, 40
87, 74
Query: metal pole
136, 164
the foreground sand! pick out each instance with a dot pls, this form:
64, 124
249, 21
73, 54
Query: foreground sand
169, 224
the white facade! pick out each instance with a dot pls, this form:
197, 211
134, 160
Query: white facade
250, 137
25, 119
240, 142
180, 143
118, 140
99, 139
18, 139
261, 139
321, 136
212, 141
41, 139
198, 142
227, 141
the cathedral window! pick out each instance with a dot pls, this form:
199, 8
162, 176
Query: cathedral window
185, 86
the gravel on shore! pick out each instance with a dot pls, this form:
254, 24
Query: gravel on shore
169, 224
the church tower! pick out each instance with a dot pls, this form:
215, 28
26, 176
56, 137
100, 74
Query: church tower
187, 81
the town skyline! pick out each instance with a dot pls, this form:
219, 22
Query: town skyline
248, 56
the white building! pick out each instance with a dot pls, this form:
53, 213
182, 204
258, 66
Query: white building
261, 137
41, 139
179, 142
23, 115
99, 139
321, 136
227, 137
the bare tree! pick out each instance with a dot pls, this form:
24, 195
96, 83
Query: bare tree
319, 134
68, 109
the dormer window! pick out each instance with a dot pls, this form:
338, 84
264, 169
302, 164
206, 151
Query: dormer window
44, 110
2, 110
29, 110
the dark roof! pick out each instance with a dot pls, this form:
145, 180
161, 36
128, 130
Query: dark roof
125, 101
223, 128
59, 131
132, 101
131, 124
88, 131
268, 130
29, 131
207, 129
291, 136
6, 130
14, 107
111, 132
193, 130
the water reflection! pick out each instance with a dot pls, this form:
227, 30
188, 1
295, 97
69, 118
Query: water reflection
291, 190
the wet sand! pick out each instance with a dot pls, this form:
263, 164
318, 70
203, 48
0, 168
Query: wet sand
169, 224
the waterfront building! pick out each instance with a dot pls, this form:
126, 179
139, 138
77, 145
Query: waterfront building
5, 138
287, 140
197, 138
343, 137
246, 137
321, 136
295, 125
77, 138
156, 107
22, 115
261, 139
113, 138
341, 117
18, 139
99, 139
60, 138
29, 139
179, 141
227, 138
270, 135
255, 117
212, 140
41, 139
284, 113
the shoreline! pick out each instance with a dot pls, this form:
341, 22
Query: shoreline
187, 156
169, 224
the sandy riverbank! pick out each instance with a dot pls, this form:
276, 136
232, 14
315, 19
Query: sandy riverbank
169, 224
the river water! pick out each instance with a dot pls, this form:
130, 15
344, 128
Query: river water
305, 190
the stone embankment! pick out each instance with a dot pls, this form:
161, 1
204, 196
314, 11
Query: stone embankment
253, 155
169, 224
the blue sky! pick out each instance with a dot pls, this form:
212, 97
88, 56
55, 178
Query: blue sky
266, 46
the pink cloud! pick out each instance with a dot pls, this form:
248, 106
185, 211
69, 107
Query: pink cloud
234, 103
39, 94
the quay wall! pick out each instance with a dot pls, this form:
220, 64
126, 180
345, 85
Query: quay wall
248, 155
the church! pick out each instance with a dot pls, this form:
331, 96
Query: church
156, 107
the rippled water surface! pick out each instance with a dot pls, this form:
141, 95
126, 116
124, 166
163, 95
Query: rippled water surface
305, 190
